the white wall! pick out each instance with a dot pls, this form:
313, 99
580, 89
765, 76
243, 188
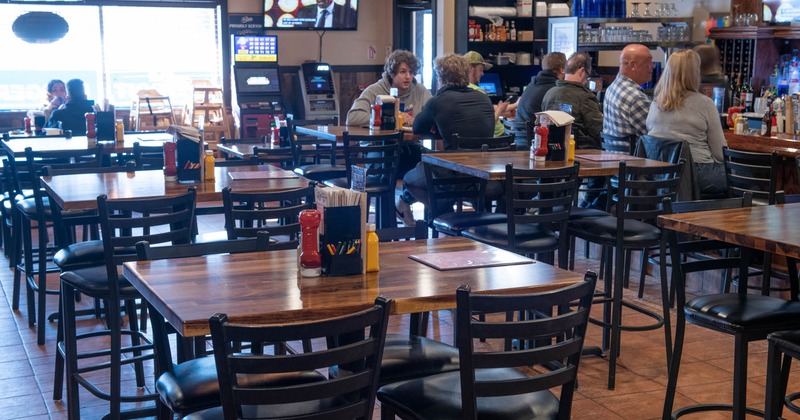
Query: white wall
338, 47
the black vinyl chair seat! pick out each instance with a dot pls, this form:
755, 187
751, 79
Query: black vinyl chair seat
604, 230
750, 314
92, 281
440, 397
80, 255
373, 184
454, 223
409, 357
193, 385
530, 239
577, 213
321, 172
276, 411
28, 207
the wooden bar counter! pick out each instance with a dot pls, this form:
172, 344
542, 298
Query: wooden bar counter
787, 146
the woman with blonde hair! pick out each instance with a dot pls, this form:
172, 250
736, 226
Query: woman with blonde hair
680, 112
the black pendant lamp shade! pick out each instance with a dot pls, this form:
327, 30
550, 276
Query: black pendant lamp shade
40, 27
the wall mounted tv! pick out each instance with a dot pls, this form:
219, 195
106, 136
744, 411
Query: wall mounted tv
255, 49
321, 15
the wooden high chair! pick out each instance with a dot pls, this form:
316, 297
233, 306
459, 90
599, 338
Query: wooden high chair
208, 106
151, 111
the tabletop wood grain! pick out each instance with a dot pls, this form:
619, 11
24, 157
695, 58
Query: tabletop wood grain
74, 192
785, 144
16, 146
266, 288
492, 165
767, 228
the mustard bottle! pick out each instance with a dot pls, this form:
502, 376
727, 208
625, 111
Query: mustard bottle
571, 148
208, 163
120, 131
372, 249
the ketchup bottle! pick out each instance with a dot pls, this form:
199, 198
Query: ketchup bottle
170, 160
90, 130
28, 130
310, 258
540, 142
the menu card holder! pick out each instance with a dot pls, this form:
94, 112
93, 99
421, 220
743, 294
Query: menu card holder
341, 243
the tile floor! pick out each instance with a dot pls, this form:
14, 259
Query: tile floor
26, 369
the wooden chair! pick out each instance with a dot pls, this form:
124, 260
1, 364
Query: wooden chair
748, 317
487, 384
165, 220
247, 213
641, 192
351, 349
538, 202
380, 155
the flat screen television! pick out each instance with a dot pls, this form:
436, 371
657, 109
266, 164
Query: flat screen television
265, 80
338, 15
255, 49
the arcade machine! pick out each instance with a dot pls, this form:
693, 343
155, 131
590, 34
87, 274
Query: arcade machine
319, 98
256, 93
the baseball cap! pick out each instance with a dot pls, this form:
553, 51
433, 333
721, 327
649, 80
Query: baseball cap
476, 58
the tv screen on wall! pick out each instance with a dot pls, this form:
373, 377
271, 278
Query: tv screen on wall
322, 15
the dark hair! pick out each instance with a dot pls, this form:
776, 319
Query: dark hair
75, 90
395, 59
555, 61
52, 84
577, 61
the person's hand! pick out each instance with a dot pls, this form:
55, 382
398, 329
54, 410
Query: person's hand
408, 119
56, 102
501, 107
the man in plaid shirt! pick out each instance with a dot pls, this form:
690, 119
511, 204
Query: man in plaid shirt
626, 106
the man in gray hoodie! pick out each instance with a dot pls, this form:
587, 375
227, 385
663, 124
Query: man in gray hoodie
398, 72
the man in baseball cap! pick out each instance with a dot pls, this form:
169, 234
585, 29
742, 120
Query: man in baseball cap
476, 67
476, 58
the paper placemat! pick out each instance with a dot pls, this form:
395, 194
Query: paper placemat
458, 260
281, 174
605, 157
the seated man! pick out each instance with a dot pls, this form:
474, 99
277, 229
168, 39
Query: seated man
626, 106
531, 100
456, 108
476, 67
72, 115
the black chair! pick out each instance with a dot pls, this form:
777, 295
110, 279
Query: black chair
460, 142
35, 216
519, 130
616, 144
192, 385
123, 222
148, 156
247, 213
449, 192
641, 192
314, 157
783, 347
380, 155
350, 348
538, 202
487, 384
748, 317
282, 157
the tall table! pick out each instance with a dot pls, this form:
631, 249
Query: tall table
77, 192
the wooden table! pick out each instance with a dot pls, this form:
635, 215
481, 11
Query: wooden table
73, 192
492, 165
266, 288
767, 228
16, 146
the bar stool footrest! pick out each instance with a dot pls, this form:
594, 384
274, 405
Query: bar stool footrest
712, 407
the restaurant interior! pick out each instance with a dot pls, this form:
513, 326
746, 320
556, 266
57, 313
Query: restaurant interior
212, 239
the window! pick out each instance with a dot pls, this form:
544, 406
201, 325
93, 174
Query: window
161, 48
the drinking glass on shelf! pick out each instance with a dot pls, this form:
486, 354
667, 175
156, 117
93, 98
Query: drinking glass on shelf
635, 12
647, 13
673, 10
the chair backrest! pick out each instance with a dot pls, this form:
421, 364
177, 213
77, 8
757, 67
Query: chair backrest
247, 213
752, 172
559, 341
518, 129
542, 197
617, 144
236, 246
279, 156
350, 396
642, 191
460, 142
124, 222
310, 150
148, 156
449, 190
681, 246
407, 233
380, 154
671, 151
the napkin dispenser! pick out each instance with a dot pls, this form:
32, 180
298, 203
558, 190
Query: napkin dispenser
104, 126
189, 153
560, 126
388, 111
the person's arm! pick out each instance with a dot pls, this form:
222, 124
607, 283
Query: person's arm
425, 121
593, 118
362, 108
715, 135
638, 115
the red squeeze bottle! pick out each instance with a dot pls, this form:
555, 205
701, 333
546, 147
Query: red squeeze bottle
541, 142
90, 131
170, 159
310, 258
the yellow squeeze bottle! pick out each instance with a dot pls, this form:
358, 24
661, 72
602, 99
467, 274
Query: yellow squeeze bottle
372, 249
208, 162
